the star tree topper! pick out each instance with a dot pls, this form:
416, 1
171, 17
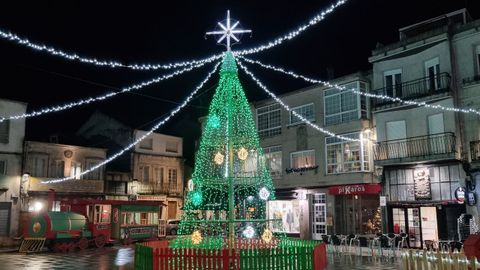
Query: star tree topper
228, 31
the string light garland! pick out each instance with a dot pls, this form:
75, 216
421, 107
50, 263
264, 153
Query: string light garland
137, 141
117, 64
74, 104
108, 63
358, 92
315, 20
286, 107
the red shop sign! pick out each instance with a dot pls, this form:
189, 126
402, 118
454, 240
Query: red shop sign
359, 189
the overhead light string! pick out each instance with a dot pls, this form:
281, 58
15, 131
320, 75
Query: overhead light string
358, 92
138, 140
286, 107
104, 63
278, 41
101, 97
9, 36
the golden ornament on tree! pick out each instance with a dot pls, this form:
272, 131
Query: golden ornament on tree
218, 158
242, 153
197, 237
267, 236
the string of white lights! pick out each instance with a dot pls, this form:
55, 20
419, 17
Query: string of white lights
99, 98
358, 92
117, 64
315, 20
279, 101
138, 140
110, 63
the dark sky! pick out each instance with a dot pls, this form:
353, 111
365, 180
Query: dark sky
165, 31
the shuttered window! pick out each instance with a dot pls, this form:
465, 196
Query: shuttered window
396, 130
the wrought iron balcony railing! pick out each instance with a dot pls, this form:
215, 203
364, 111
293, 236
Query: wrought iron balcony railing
475, 150
471, 80
427, 146
159, 188
414, 89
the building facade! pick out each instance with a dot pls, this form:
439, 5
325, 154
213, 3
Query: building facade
423, 151
324, 185
12, 134
158, 166
45, 161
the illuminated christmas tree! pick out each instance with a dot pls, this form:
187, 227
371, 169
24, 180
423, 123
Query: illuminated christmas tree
231, 184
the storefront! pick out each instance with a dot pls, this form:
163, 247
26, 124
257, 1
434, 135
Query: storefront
357, 209
423, 203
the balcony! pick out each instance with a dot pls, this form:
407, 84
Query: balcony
159, 188
471, 80
421, 148
420, 88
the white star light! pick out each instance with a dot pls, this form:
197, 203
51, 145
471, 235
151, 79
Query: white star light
228, 31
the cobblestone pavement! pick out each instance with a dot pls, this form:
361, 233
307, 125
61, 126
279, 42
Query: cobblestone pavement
107, 258
349, 262
121, 258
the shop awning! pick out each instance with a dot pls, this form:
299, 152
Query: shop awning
358, 189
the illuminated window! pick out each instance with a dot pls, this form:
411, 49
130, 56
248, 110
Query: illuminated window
75, 170
307, 111
346, 156
302, 159
102, 214
273, 158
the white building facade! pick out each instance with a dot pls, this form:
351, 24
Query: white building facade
12, 134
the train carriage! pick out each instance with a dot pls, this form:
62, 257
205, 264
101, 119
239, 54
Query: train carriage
81, 223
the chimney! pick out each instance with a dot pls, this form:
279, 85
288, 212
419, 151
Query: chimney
330, 73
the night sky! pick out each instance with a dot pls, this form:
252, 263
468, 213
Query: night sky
166, 31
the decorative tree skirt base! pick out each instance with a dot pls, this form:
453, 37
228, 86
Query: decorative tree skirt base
279, 254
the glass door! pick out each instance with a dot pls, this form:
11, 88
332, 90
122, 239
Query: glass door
432, 69
319, 225
414, 229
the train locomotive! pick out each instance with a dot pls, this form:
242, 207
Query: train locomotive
84, 223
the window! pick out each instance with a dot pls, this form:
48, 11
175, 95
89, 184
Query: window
477, 56
39, 165
172, 179
75, 170
102, 214
147, 144
273, 158
348, 156
171, 147
59, 170
269, 121
95, 174
139, 218
432, 70
159, 177
343, 105
307, 111
116, 187
396, 130
4, 131
393, 83
302, 159
3, 167
144, 172
319, 222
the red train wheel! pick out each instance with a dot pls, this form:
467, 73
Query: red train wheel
70, 246
83, 243
100, 241
57, 247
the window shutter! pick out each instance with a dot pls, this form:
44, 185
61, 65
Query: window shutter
396, 130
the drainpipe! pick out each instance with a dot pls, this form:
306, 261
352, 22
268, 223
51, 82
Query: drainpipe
459, 117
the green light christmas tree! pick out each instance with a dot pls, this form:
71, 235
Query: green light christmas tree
231, 184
